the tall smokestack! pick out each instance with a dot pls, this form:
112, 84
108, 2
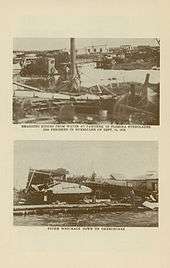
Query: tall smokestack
146, 83
147, 79
73, 57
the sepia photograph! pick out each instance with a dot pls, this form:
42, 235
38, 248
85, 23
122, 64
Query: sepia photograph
86, 81
86, 183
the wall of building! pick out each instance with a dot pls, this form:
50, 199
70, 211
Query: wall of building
93, 50
150, 184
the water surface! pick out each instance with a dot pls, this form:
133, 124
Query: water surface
111, 219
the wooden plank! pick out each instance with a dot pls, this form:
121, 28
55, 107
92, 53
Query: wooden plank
28, 87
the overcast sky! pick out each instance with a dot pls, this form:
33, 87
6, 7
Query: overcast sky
105, 157
62, 43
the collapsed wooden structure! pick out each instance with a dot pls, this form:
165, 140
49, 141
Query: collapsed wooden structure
70, 100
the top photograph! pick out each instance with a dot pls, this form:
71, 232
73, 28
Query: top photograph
86, 81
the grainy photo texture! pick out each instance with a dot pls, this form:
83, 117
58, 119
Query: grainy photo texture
86, 81
87, 183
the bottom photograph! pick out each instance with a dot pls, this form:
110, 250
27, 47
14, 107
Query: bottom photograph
85, 183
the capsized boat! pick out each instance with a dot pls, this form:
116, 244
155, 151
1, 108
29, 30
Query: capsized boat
69, 192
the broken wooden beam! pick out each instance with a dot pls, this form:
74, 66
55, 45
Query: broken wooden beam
27, 87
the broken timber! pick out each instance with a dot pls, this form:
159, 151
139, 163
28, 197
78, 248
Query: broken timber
27, 87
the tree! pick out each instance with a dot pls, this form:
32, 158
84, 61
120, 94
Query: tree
93, 176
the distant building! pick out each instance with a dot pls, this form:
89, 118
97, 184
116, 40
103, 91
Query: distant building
148, 182
145, 184
143, 47
97, 49
127, 47
17, 56
28, 59
38, 66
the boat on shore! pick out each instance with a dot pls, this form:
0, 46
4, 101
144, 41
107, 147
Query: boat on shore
49, 186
